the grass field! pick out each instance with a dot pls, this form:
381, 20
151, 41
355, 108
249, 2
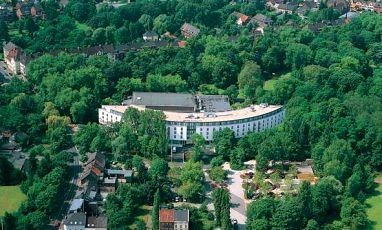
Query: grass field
10, 198
270, 84
374, 210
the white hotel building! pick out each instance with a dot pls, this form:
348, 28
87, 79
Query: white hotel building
187, 114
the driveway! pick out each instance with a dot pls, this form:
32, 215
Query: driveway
237, 195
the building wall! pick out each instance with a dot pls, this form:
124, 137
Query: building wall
181, 225
183, 131
179, 133
74, 227
166, 226
108, 117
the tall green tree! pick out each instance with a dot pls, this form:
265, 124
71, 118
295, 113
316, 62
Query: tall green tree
249, 79
155, 211
222, 204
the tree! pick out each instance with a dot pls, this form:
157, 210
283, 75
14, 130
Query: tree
298, 55
159, 169
262, 209
305, 198
312, 225
223, 142
146, 21
249, 79
161, 23
4, 36
84, 137
198, 145
192, 178
353, 214
288, 215
30, 25
218, 174
155, 212
139, 167
222, 204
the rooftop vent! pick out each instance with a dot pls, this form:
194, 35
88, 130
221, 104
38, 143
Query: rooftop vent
264, 105
252, 107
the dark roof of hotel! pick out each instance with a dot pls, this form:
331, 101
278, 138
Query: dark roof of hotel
162, 99
214, 103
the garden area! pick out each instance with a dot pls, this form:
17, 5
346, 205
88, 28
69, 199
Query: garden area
278, 179
10, 198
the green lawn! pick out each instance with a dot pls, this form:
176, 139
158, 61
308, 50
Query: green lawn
82, 26
270, 84
374, 210
10, 198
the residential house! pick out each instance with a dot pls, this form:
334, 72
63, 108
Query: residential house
77, 205
261, 20
6, 13
181, 219
109, 184
342, 6
288, 7
302, 10
173, 219
75, 221
97, 159
92, 175
150, 36
182, 44
120, 173
29, 9
242, 19
166, 219
96, 223
189, 31
378, 8
12, 57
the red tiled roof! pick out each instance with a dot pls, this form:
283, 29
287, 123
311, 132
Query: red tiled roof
96, 171
166, 215
244, 17
182, 44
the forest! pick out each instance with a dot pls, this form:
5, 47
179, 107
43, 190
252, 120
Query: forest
329, 82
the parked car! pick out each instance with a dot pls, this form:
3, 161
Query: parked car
234, 223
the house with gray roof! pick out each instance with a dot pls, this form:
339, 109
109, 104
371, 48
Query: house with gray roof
96, 223
75, 221
150, 36
177, 219
77, 205
261, 20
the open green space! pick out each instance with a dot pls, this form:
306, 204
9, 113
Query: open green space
374, 210
82, 26
10, 198
270, 84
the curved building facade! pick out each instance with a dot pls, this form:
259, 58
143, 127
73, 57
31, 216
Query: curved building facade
181, 126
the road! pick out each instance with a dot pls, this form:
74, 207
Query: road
69, 194
238, 209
